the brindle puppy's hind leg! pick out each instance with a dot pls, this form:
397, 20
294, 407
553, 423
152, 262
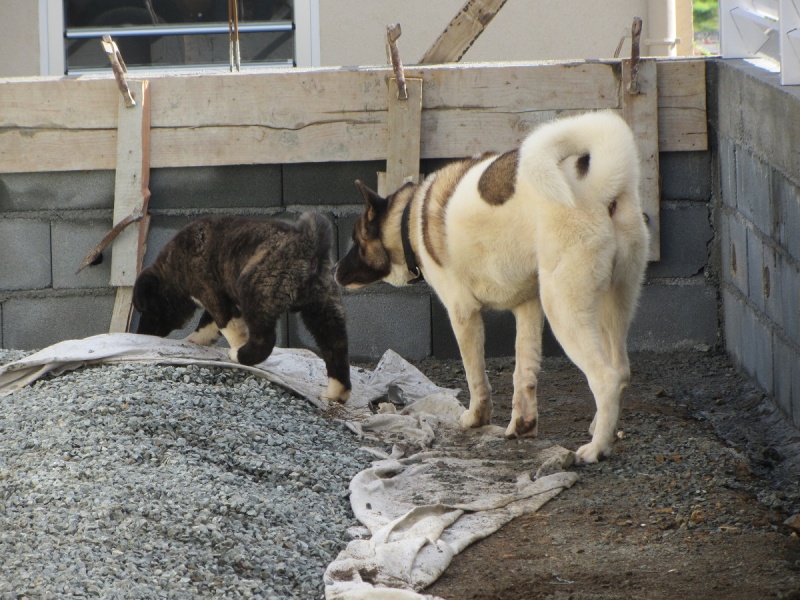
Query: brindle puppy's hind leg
326, 322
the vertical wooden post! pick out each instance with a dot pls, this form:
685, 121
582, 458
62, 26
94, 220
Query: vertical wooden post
405, 127
131, 195
640, 110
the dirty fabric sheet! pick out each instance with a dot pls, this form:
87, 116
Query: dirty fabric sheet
419, 505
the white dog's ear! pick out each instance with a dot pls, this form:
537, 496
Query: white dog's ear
375, 204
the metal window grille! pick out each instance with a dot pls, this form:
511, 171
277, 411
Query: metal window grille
749, 28
178, 46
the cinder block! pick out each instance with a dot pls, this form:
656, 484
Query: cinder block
757, 348
66, 190
755, 269
785, 290
34, 323
500, 332
162, 229
685, 175
726, 103
685, 235
733, 307
733, 251
233, 187
72, 241
787, 379
753, 185
24, 254
727, 167
380, 318
675, 316
769, 115
787, 201
328, 183
344, 232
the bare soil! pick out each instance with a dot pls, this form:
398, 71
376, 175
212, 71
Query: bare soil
692, 504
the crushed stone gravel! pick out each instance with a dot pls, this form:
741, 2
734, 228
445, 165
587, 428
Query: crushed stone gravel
144, 481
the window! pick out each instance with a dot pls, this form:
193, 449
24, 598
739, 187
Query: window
177, 33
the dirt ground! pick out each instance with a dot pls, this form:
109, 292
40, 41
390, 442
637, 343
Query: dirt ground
693, 503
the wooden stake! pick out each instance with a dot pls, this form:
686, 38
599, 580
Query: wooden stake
131, 197
462, 31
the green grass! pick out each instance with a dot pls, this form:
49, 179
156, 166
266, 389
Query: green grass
706, 15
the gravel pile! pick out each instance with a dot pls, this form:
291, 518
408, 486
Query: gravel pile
154, 481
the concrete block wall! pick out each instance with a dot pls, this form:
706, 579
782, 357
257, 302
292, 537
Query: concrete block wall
755, 126
48, 222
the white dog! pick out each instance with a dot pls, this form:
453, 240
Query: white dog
552, 228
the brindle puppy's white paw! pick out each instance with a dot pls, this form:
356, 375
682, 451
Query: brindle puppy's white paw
479, 418
205, 336
591, 453
336, 391
234, 354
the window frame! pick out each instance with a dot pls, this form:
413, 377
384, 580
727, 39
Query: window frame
52, 39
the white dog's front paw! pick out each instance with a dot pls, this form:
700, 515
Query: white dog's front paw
234, 354
472, 418
520, 427
591, 453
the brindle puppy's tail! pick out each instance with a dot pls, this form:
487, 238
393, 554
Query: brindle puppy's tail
319, 231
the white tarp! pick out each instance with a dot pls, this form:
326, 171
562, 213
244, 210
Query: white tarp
420, 506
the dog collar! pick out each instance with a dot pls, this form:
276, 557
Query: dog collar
408, 251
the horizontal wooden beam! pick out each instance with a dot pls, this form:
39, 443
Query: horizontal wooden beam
325, 115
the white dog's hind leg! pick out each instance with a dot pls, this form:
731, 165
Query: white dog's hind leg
573, 316
469, 334
524, 407
236, 334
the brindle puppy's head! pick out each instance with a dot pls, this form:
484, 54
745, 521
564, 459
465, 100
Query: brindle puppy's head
161, 310
368, 259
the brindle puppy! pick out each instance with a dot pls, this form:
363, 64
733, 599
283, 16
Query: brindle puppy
245, 273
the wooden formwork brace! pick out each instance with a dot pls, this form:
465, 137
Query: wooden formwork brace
462, 31
404, 122
640, 111
131, 190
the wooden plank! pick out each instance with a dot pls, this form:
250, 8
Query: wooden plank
323, 115
640, 110
682, 118
131, 194
58, 103
462, 31
405, 122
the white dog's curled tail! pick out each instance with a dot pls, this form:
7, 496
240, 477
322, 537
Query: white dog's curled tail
588, 157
